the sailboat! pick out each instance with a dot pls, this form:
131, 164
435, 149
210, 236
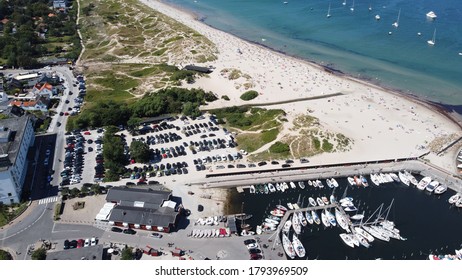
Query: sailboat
288, 247
396, 23
352, 8
344, 2
328, 12
433, 40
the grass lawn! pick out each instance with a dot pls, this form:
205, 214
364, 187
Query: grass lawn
253, 141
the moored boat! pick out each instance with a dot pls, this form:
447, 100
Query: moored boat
347, 239
277, 213
319, 201
374, 179
440, 189
302, 219
315, 217
298, 246
296, 224
334, 182
301, 185
424, 183
403, 178
311, 201
280, 207
320, 184
292, 185
332, 199
308, 217
357, 181
411, 178
329, 183
324, 219
325, 200
331, 218
290, 206
364, 181
394, 177
453, 199
351, 181
288, 247
357, 217
287, 226
271, 187
432, 186
341, 220
365, 234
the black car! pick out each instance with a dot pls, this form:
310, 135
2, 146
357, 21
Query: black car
304, 160
66, 244
289, 161
116, 229
254, 251
249, 241
129, 231
274, 162
261, 163
285, 165
73, 244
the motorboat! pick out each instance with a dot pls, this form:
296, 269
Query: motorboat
301, 185
351, 181
440, 189
311, 201
332, 199
252, 189
302, 219
348, 198
329, 183
403, 178
319, 201
308, 217
357, 181
331, 218
424, 183
310, 183
315, 184
325, 219
315, 217
271, 187
431, 15
325, 200
354, 239
277, 213
377, 17
341, 220
350, 209
287, 226
334, 182
374, 180
290, 206
411, 177
292, 185
432, 41
296, 224
394, 177
364, 234
364, 181
320, 184
278, 187
295, 205
284, 186
453, 199
432, 186
347, 239
288, 247
280, 207
298, 246
357, 217
269, 220
346, 204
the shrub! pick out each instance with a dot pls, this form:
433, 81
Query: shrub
249, 95
279, 147
225, 97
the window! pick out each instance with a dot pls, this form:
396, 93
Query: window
9, 194
11, 200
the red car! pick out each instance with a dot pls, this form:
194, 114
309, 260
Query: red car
80, 243
66, 114
87, 133
256, 256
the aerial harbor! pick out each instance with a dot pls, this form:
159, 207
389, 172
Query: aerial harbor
230, 130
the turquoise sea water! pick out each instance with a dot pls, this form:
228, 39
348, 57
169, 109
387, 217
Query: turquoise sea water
353, 41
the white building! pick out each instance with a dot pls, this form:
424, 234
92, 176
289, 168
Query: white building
16, 137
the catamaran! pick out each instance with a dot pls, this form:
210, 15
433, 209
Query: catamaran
298, 246
288, 247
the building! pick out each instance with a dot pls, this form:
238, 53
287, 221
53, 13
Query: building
41, 103
146, 209
16, 137
44, 89
59, 4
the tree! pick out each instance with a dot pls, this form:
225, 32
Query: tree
249, 95
191, 109
4, 255
39, 254
133, 122
140, 151
127, 253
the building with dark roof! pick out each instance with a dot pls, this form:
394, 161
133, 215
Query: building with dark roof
96, 252
16, 137
146, 209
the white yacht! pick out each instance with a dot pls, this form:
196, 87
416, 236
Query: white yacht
319, 201
424, 183
377, 17
351, 181
404, 178
308, 217
292, 185
288, 247
287, 226
302, 219
432, 42
301, 185
298, 246
296, 224
312, 201
365, 234
341, 220
374, 180
334, 182
315, 217
453, 199
394, 177
432, 186
431, 15
440, 189
347, 239
271, 187
331, 218
396, 23
325, 219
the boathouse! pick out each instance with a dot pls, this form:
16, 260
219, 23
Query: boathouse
146, 209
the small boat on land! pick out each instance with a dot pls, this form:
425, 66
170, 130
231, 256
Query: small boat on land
347, 239
403, 178
308, 217
315, 217
311, 201
301, 185
440, 189
298, 246
288, 247
424, 183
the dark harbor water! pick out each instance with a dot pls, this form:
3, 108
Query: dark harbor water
428, 221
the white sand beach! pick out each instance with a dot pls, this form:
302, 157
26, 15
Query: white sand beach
383, 125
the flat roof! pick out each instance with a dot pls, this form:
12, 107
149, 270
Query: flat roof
17, 126
147, 198
85, 253
162, 217
26, 77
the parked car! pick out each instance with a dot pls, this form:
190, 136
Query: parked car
129, 231
249, 241
156, 235
93, 241
66, 244
116, 229
87, 242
